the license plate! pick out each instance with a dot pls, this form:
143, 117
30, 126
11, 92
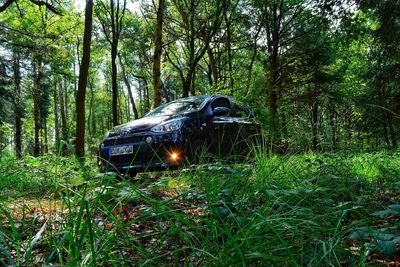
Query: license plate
121, 150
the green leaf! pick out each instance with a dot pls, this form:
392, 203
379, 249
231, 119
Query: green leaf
386, 247
222, 212
395, 207
361, 232
384, 213
396, 240
384, 236
359, 235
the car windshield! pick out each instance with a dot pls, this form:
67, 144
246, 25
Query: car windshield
177, 107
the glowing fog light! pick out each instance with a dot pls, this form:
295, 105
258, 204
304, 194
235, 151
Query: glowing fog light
174, 156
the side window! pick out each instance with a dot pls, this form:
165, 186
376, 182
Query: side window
238, 112
221, 102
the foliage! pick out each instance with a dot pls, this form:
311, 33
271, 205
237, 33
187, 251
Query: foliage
311, 209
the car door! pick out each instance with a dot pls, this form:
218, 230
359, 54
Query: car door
220, 128
244, 129
239, 129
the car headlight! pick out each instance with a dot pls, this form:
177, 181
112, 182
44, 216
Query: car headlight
169, 126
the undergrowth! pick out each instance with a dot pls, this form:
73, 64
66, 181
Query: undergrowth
310, 209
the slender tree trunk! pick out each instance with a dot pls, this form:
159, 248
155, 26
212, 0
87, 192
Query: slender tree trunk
385, 134
229, 51
210, 76
36, 104
64, 123
186, 87
146, 97
141, 98
252, 60
274, 88
94, 128
314, 124
213, 66
120, 107
56, 123
128, 87
83, 75
127, 109
193, 86
90, 106
114, 85
332, 123
157, 54
66, 101
46, 144
167, 94
391, 131
17, 105
188, 81
348, 116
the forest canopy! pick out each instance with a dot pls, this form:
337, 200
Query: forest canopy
319, 75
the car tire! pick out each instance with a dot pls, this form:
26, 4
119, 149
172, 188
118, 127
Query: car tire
132, 174
200, 152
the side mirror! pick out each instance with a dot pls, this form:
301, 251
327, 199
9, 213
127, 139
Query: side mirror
220, 111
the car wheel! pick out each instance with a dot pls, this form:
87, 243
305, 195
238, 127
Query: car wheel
200, 152
132, 174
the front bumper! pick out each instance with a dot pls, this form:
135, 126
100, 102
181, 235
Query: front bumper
150, 152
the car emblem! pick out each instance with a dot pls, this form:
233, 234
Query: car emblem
124, 133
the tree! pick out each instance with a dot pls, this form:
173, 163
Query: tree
279, 17
83, 75
111, 19
189, 36
157, 54
18, 109
35, 2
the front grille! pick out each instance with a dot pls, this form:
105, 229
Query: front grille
123, 140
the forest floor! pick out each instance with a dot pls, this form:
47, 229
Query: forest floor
340, 209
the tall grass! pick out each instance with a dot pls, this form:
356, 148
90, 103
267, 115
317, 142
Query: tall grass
276, 210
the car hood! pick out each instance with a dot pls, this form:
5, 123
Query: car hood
139, 125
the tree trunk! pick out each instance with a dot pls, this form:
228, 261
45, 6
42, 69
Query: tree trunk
229, 50
314, 124
127, 109
186, 87
157, 54
46, 144
36, 104
146, 96
391, 131
114, 85
385, 134
83, 75
213, 66
66, 101
56, 126
193, 86
348, 116
94, 128
167, 94
64, 123
274, 88
252, 60
128, 87
90, 106
17, 105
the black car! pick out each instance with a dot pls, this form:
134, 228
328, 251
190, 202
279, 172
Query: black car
180, 132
